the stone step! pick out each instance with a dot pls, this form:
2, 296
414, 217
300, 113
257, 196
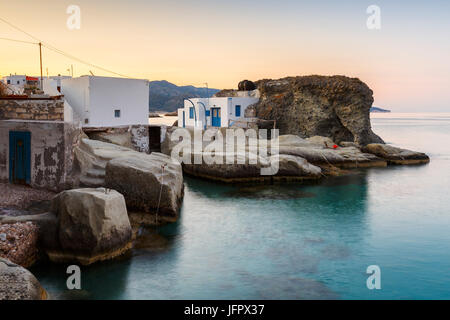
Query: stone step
90, 182
99, 165
96, 173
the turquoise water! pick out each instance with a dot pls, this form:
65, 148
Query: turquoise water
298, 241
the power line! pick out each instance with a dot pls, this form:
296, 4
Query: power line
81, 61
17, 28
22, 41
50, 47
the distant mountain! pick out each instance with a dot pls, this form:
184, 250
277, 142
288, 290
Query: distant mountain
165, 96
377, 109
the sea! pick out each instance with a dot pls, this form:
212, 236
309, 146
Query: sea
380, 233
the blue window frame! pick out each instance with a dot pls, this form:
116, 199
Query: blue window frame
117, 113
191, 113
208, 113
237, 110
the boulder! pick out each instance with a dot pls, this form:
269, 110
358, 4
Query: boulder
246, 85
320, 151
243, 170
93, 225
336, 107
17, 283
150, 183
396, 155
19, 243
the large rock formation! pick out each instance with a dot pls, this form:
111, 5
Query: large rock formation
152, 184
93, 225
17, 283
336, 107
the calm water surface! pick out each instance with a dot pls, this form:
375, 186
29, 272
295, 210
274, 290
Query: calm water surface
298, 241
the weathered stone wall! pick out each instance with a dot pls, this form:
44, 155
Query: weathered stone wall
51, 152
45, 109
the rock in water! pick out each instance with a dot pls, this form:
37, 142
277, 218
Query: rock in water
396, 155
140, 179
93, 225
17, 283
336, 107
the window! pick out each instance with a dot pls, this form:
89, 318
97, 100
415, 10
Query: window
117, 113
8, 81
191, 113
86, 121
18, 82
238, 111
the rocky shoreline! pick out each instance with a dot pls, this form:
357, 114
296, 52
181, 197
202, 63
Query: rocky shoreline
325, 127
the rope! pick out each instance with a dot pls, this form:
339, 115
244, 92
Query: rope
160, 191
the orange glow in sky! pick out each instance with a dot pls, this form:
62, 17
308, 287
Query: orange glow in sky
223, 42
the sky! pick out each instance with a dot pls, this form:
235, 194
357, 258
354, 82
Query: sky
193, 42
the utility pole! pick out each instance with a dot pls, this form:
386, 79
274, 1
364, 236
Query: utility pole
207, 91
40, 56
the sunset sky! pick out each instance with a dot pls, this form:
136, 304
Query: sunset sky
406, 63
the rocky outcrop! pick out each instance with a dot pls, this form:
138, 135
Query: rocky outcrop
396, 155
93, 226
323, 152
288, 168
241, 164
246, 85
336, 107
19, 243
152, 184
17, 283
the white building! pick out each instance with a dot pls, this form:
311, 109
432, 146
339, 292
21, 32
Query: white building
105, 101
52, 84
214, 112
17, 83
16, 80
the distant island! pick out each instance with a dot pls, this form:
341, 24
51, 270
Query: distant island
377, 109
166, 96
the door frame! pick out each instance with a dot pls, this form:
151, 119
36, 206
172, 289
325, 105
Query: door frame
218, 118
25, 136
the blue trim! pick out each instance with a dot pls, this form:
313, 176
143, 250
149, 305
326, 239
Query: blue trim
237, 110
191, 113
208, 113
216, 120
20, 157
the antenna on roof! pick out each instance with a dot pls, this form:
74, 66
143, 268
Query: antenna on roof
91, 72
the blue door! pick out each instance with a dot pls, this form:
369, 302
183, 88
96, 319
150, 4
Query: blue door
215, 118
19, 157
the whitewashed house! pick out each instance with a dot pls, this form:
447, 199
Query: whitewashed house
16, 80
17, 83
214, 112
106, 101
